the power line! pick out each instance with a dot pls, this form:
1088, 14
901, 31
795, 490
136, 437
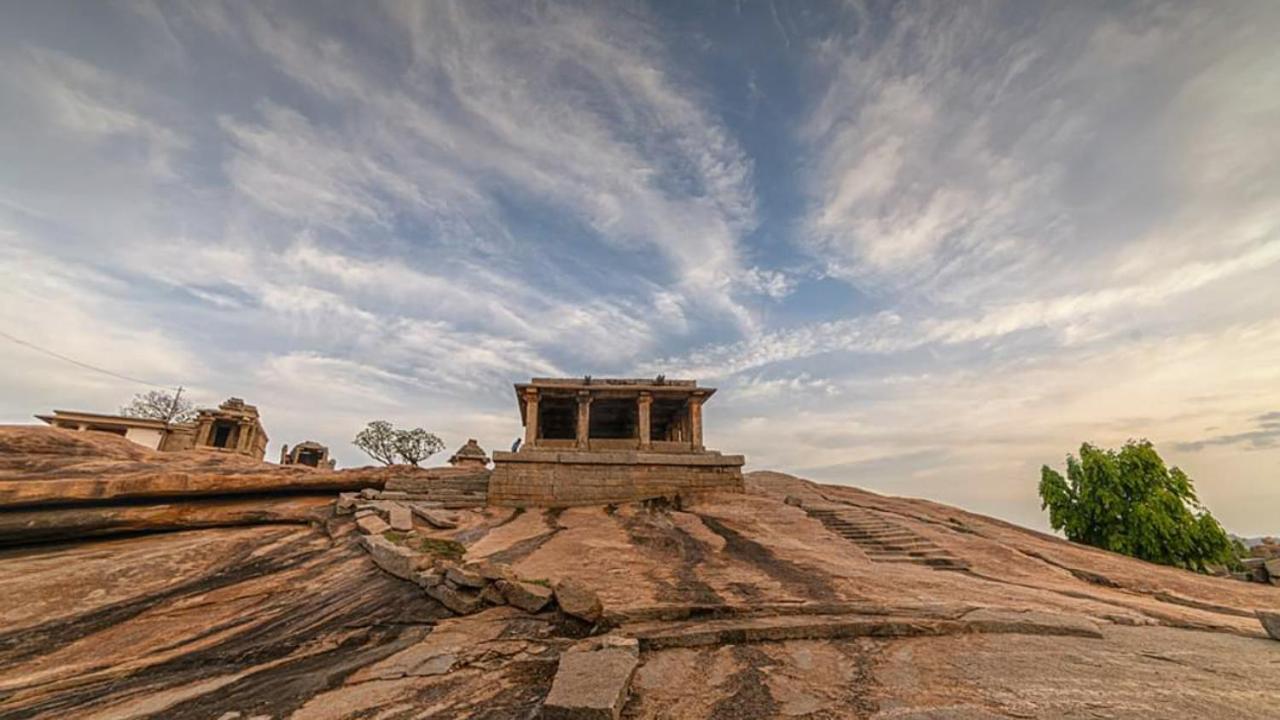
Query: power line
84, 365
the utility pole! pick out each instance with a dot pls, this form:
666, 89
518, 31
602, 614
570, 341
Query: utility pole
173, 407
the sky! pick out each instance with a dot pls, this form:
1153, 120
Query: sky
921, 248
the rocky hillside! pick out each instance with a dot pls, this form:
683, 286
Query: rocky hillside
236, 592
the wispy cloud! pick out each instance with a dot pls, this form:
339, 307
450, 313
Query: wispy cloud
925, 247
1265, 435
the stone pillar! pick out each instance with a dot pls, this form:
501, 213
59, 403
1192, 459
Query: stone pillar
531, 418
244, 437
202, 432
584, 419
695, 422
643, 404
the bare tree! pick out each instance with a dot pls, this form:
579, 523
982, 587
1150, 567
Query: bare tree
160, 405
378, 441
384, 443
417, 445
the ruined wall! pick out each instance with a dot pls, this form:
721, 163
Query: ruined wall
560, 479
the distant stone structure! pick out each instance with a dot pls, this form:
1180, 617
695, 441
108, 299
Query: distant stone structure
232, 427
470, 456
593, 441
309, 453
148, 433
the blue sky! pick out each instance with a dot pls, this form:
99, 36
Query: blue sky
922, 248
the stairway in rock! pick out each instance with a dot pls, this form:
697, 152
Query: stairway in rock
884, 540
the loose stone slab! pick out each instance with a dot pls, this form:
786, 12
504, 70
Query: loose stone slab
371, 524
592, 684
1270, 622
401, 518
529, 597
434, 518
464, 578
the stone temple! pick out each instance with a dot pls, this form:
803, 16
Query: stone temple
594, 441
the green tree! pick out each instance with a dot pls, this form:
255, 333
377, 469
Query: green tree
1131, 503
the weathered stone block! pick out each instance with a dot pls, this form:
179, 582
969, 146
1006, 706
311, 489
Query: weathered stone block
428, 578
465, 578
578, 600
371, 524
591, 684
434, 517
462, 602
346, 503
527, 596
395, 559
400, 517
492, 595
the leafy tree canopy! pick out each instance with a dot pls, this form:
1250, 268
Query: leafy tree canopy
1131, 503
160, 405
381, 441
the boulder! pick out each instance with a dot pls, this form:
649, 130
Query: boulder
1273, 570
434, 518
527, 596
395, 559
1270, 622
462, 602
464, 578
578, 600
592, 683
371, 524
400, 517
793, 501
369, 493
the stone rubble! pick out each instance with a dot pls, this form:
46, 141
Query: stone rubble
464, 588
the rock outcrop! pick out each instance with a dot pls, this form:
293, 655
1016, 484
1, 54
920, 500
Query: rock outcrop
743, 605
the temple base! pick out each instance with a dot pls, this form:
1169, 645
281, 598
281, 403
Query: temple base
546, 478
